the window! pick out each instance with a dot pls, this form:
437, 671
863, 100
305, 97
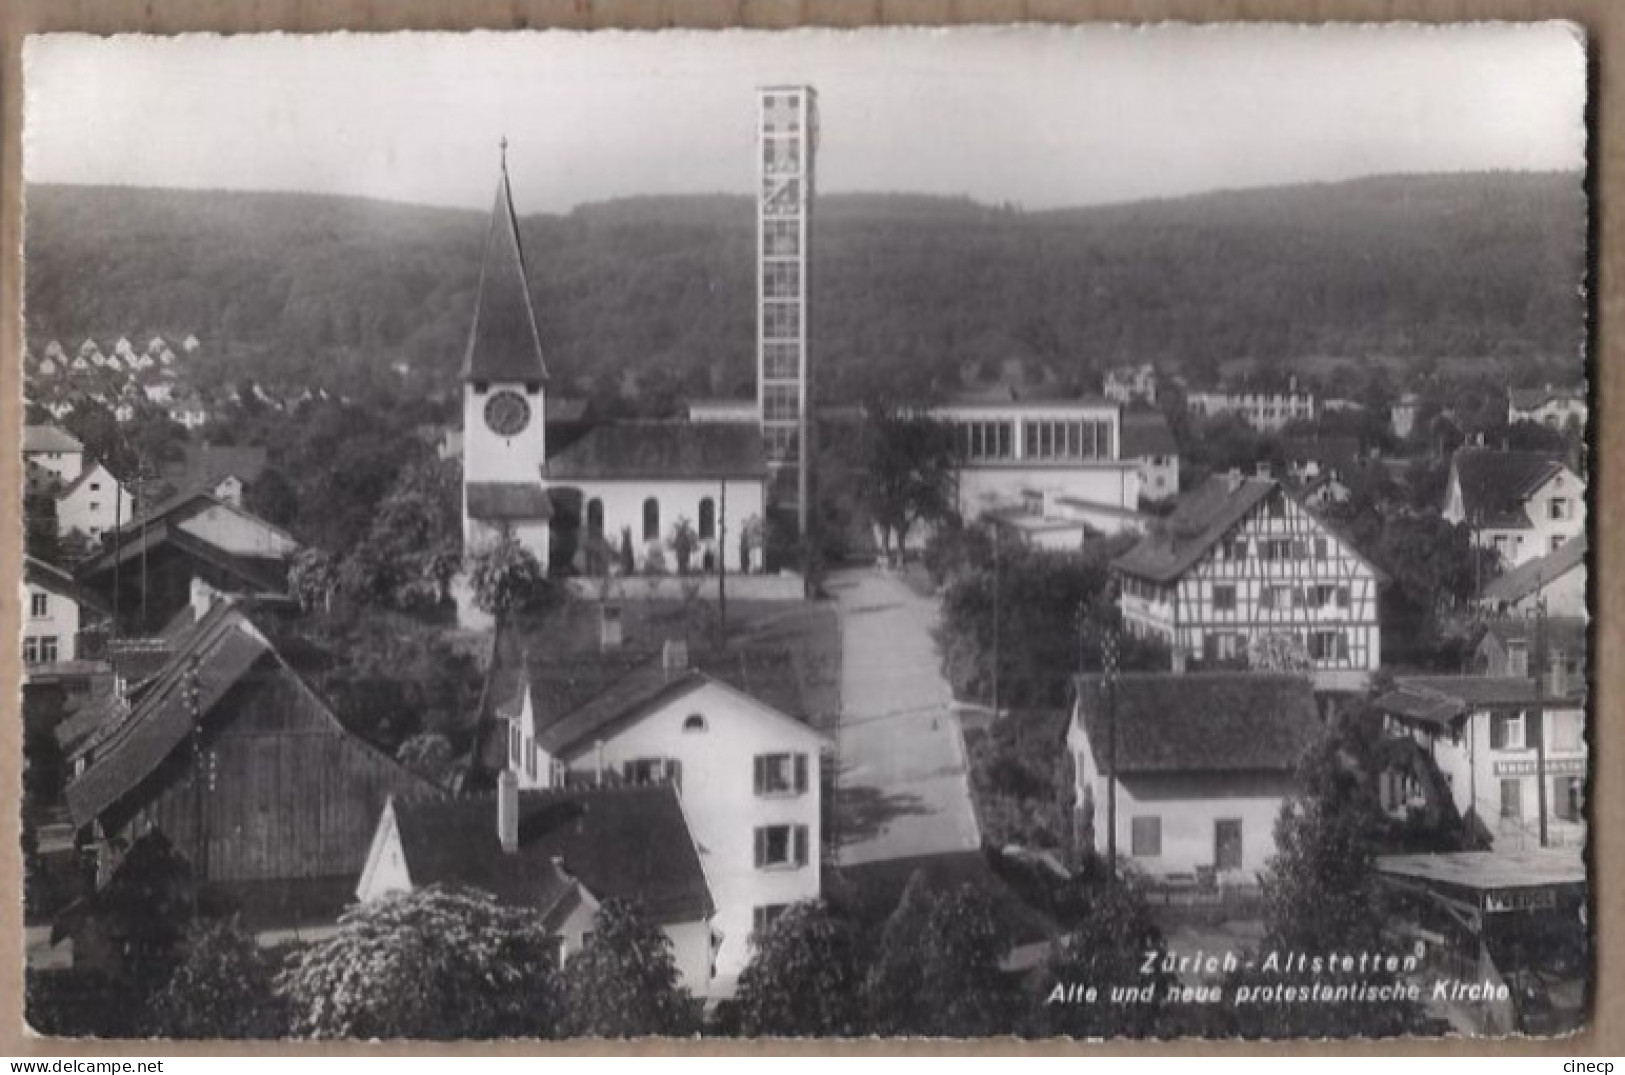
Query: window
1342, 597
781, 444
781, 238
95, 505
1222, 646
1568, 801
1227, 843
781, 402
1321, 548
781, 774
708, 519
1557, 542
1558, 508
95, 487
595, 517
781, 359
653, 771
987, 440
1235, 549
1506, 731
1275, 597
781, 846
694, 722
763, 917
530, 762
781, 320
1512, 799
782, 279
513, 743
1517, 658
1568, 731
1277, 506
1328, 646
1224, 598
39, 605
39, 649
651, 519
1145, 837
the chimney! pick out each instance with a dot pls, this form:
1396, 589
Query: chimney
203, 597
508, 811
674, 656
1178, 653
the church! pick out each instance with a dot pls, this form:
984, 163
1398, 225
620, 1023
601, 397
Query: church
667, 491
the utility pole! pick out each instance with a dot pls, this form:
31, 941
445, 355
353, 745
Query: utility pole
722, 564
1108, 664
997, 618
1537, 715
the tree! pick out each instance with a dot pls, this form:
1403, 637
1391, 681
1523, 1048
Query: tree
624, 983
629, 564
223, 988
1110, 932
428, 754
936, 971
684, 540
438, 963
411, 550
506, 577
313, 576
272, 498
1277, 651
804, 978
911, 464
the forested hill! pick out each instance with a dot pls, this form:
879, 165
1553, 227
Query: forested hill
910, 290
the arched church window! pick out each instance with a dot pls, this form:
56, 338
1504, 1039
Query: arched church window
651, 519
708, 519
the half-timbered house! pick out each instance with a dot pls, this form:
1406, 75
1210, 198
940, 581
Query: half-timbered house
1241, 560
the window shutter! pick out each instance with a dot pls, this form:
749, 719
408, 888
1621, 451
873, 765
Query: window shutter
801, 773
761, 847
800, 832
761, 773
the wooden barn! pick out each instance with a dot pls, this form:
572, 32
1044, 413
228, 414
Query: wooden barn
248, 774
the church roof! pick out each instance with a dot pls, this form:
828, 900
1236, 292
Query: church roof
663, 449
503, 343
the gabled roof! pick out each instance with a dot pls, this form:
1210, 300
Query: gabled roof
85, 474
507, 500
1526, 578
633, 694
1527, 399
164, 530
1199, 520
1440, 700
1202, 722
49, 439
503, 342
665, 449
1564, 633
204, 466
1494, 484
50, 577
618, 842
1146, 433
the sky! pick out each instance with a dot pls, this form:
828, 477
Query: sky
1041, 117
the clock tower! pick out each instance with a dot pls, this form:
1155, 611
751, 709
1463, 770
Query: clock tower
504, 396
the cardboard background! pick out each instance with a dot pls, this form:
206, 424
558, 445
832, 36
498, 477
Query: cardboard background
1604, 23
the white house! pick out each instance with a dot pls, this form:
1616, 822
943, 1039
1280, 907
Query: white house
1264, 411
563, 853
1203, 762
1481, 733
1130, 384
1242, 559
54, 611
1558, 578
1521, 504
747, 775
1555, 407
93, 504
1150, 443
55, 451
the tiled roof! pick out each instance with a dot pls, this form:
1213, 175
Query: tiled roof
50, 577
1495, 483
1147, 434
619, 842
1202, 722
508, 500
1526, 578
627, 697
1199, 520
671, 450
503, 342
1527, 399
204, 466
1471, 692
49, 439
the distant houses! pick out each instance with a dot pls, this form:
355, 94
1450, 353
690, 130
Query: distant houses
1558, 408
1265, 411
1555, 581
1520, 504
55, 610
1131, 384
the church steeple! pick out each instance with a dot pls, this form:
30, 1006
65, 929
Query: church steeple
503, 344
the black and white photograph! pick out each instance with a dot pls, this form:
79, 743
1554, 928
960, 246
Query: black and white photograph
1040, 532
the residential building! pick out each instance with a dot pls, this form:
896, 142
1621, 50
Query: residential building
244, 770
1495, 740
1150, 443
55, 610
1557, 578
634, 478
1522, 505
1555, 407
1265, 411
1131, 384
747, 775
561, 852
1203, 763
222, 471
93, 504
1240, 560
57, 453
1508, 644
147, 573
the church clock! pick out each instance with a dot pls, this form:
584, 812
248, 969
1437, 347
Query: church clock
507, 413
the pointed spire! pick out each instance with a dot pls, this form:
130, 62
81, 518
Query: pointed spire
503, 343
